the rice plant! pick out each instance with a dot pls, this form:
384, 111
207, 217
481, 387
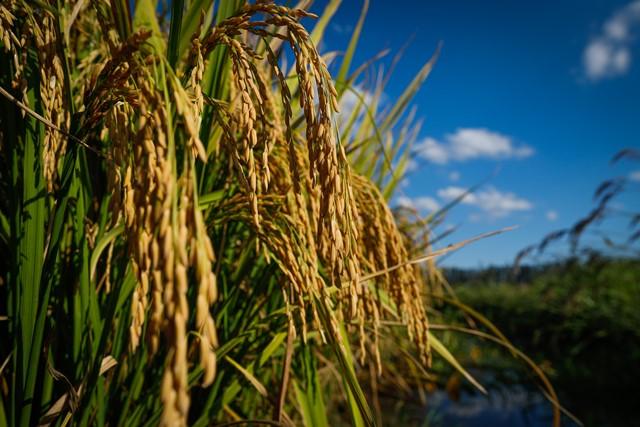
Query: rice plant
181, 222
188, 230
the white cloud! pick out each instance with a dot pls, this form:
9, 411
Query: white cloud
635, 176
432, 150
451, 193
404, 201
608, 54
551, 215
422, 204
426, 204
492, 201
411, 166
454, 176
604, 59
470, 143
352, 99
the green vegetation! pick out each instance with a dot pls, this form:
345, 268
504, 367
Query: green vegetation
580, 320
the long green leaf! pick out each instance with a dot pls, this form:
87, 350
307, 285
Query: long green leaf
191, 21
145, 17
408, 94
30, 255
351, 49
440, 348
361, 412
318, 30
309, 397
173, 53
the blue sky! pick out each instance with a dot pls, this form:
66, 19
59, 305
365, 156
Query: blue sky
538, 96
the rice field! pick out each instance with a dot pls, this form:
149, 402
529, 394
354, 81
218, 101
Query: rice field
189, 237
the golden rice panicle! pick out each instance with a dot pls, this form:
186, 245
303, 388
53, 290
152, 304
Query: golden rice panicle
247, 110
327, 161
383, 246
294, 252
109, 30
270, 125
190, 112
10, 42
88, 31
175, 390
254, 120
117, 124
196, 61
201, 258
202, 250
51, 95
14, 45
142, 181
158, 223
207, 295
139, 173
41, 32
146, 201
245, 120
167, 237
285, 95
6, 26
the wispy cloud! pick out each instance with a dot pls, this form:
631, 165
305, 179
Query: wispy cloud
358, 97
468, 144
495, 203
411, 166
634, 176
608, 54
342, 29
422, 204
551, 215
454, 176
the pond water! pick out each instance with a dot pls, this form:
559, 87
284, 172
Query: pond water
510, 403
509, 406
